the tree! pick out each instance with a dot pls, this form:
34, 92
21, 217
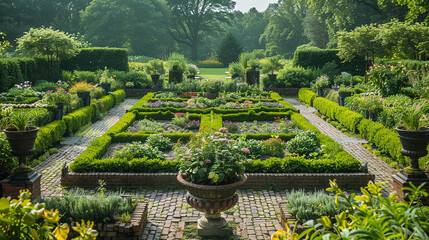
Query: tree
192, 19
50, 44
3, 43
139, 25
284, 31
416, 8
315, 30
229, 50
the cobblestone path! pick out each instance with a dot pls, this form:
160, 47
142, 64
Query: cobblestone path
74, 146
256, 215
381, 169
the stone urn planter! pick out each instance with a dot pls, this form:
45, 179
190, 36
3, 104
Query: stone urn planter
252, 77
86, 98
414, 144
106, 87
175, 75
272, 77
22, 141
212, 200
22, 144
320, 92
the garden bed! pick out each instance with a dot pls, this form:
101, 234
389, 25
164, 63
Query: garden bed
311, 170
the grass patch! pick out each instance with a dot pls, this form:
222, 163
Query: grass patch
213, 72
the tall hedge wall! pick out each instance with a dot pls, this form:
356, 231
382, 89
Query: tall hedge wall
92, 59
313, 57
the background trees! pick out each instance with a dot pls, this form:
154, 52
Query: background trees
194, 18
157, 28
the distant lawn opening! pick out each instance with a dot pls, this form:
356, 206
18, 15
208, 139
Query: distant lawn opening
213, 72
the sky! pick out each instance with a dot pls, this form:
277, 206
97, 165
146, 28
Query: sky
245, 5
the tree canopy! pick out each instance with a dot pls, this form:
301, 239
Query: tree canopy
194, 18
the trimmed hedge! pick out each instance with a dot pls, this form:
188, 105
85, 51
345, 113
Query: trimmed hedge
118, 96
275, 96
271, 165
78, 118
211, 122
307, 96
345, 116
142, 136
161, 115
48, 135
313, 57
97, 58
141, 102
252, 115
385, 139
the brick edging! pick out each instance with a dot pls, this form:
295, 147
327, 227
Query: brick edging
254, 180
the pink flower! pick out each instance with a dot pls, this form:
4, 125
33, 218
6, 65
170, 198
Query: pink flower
246, 150
223, 130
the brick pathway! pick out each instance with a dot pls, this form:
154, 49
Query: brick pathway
381, 169
256, 215
74, 146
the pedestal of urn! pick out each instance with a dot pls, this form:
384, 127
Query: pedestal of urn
212, 200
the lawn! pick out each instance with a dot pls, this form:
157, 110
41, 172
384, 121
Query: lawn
213, 72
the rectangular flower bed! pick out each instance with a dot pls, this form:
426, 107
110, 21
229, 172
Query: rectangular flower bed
331, 162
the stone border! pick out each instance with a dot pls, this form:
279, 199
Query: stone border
254, 180
132, 230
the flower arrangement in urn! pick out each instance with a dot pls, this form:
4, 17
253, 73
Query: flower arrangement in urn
212, 159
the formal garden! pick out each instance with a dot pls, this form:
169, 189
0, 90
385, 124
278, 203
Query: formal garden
245, 133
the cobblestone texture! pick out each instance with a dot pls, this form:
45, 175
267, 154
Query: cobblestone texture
74, 146
381, 169
256, 215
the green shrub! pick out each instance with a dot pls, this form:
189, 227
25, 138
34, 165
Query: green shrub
307, 96
78, 119
293, 77
304, 143
84, 76
311, 206
312, 57
93, 59
159, 141
48, 135
139, 150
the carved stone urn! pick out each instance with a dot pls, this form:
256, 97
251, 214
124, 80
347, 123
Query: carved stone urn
212, 200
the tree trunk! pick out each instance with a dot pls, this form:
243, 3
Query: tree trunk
194, 49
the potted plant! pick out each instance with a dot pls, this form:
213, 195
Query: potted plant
21, 137
344, 92
155, 68
211, 88
59, 98
272, 65
321, 83
236, 70
211, 170
414, 136
106, 81
83, 90
191, 71
177, 66
252, 72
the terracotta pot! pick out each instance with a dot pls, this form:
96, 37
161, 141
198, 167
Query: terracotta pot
22, 141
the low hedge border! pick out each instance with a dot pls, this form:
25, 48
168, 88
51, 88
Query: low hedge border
385, 139
307, 96
51, 133
252, 115
241, 100
308, 181
141, 102
275, 96
209, 110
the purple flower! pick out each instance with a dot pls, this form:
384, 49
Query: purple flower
223, 130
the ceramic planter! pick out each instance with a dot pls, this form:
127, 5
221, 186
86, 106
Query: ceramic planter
86, 98
106, 87
414, 144
22, 141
